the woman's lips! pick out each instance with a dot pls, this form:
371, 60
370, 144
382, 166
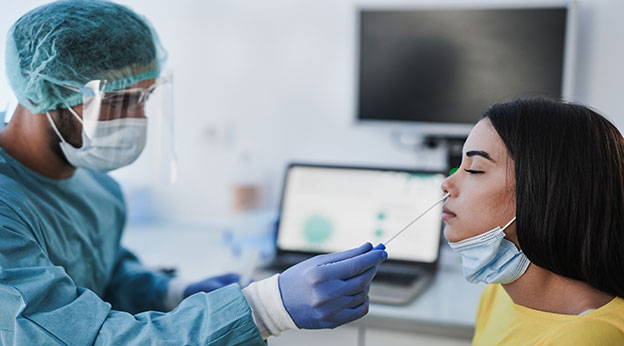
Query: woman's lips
447, 214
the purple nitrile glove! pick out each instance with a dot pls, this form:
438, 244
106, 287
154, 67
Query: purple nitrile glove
211, 284
330, 290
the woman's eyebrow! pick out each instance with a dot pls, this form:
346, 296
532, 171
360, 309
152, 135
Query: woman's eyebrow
481, 153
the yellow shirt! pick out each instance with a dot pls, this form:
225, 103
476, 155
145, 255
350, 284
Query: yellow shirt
501, 322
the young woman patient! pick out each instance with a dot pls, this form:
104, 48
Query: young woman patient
537, 211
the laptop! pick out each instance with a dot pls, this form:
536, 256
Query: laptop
334, 208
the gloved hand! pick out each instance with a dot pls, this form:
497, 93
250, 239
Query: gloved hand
211, 284
327, 291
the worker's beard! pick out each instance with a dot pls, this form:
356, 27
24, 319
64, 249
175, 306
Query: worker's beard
70, 129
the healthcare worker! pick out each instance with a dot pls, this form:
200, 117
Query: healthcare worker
82, 72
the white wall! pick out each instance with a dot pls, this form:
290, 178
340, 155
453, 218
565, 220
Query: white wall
278, 76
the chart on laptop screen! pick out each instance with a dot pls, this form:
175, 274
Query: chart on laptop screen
327, 209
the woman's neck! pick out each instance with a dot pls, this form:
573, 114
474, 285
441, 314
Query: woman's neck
543, 290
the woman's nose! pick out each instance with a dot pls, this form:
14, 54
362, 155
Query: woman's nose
447, 185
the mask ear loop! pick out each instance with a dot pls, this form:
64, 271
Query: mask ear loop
509, 223
80, 120
75, 114
58, 134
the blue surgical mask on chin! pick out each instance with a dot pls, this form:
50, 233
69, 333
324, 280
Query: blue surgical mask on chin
490, 258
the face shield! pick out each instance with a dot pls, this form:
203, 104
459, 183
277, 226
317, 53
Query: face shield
129, 131
157, 165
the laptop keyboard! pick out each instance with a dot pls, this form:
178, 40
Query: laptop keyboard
400, 279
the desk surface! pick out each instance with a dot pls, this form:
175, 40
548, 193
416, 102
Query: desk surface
448, 306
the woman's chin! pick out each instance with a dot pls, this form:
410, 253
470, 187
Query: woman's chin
452, 233
449, 234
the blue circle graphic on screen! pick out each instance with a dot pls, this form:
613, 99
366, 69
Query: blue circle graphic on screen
317, 229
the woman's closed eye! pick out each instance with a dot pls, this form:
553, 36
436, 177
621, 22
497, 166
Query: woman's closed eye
473, 171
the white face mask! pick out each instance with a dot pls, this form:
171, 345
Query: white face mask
490, 258
106, 145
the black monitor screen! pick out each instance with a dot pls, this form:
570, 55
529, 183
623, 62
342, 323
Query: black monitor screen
448, 66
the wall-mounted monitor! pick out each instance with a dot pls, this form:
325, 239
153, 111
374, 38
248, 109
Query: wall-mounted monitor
441, 66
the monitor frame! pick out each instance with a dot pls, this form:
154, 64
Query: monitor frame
462, 129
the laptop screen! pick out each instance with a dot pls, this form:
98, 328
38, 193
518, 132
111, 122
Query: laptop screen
329, 209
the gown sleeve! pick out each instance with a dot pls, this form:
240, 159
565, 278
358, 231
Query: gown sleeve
41, 305
133, 288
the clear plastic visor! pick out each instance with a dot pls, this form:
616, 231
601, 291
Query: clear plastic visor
100, 105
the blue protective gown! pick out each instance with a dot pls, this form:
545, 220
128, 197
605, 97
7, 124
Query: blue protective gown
65, 279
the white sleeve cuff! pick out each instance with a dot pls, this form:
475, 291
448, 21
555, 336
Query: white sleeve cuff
175, 293
267, 308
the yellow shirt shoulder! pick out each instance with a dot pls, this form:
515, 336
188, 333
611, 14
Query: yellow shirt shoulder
502, 322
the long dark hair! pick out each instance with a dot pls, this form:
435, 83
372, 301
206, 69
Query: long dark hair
569, 166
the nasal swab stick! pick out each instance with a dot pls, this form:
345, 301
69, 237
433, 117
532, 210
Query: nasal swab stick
416, 219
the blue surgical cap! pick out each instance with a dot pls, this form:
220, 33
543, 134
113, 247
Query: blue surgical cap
72, 42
